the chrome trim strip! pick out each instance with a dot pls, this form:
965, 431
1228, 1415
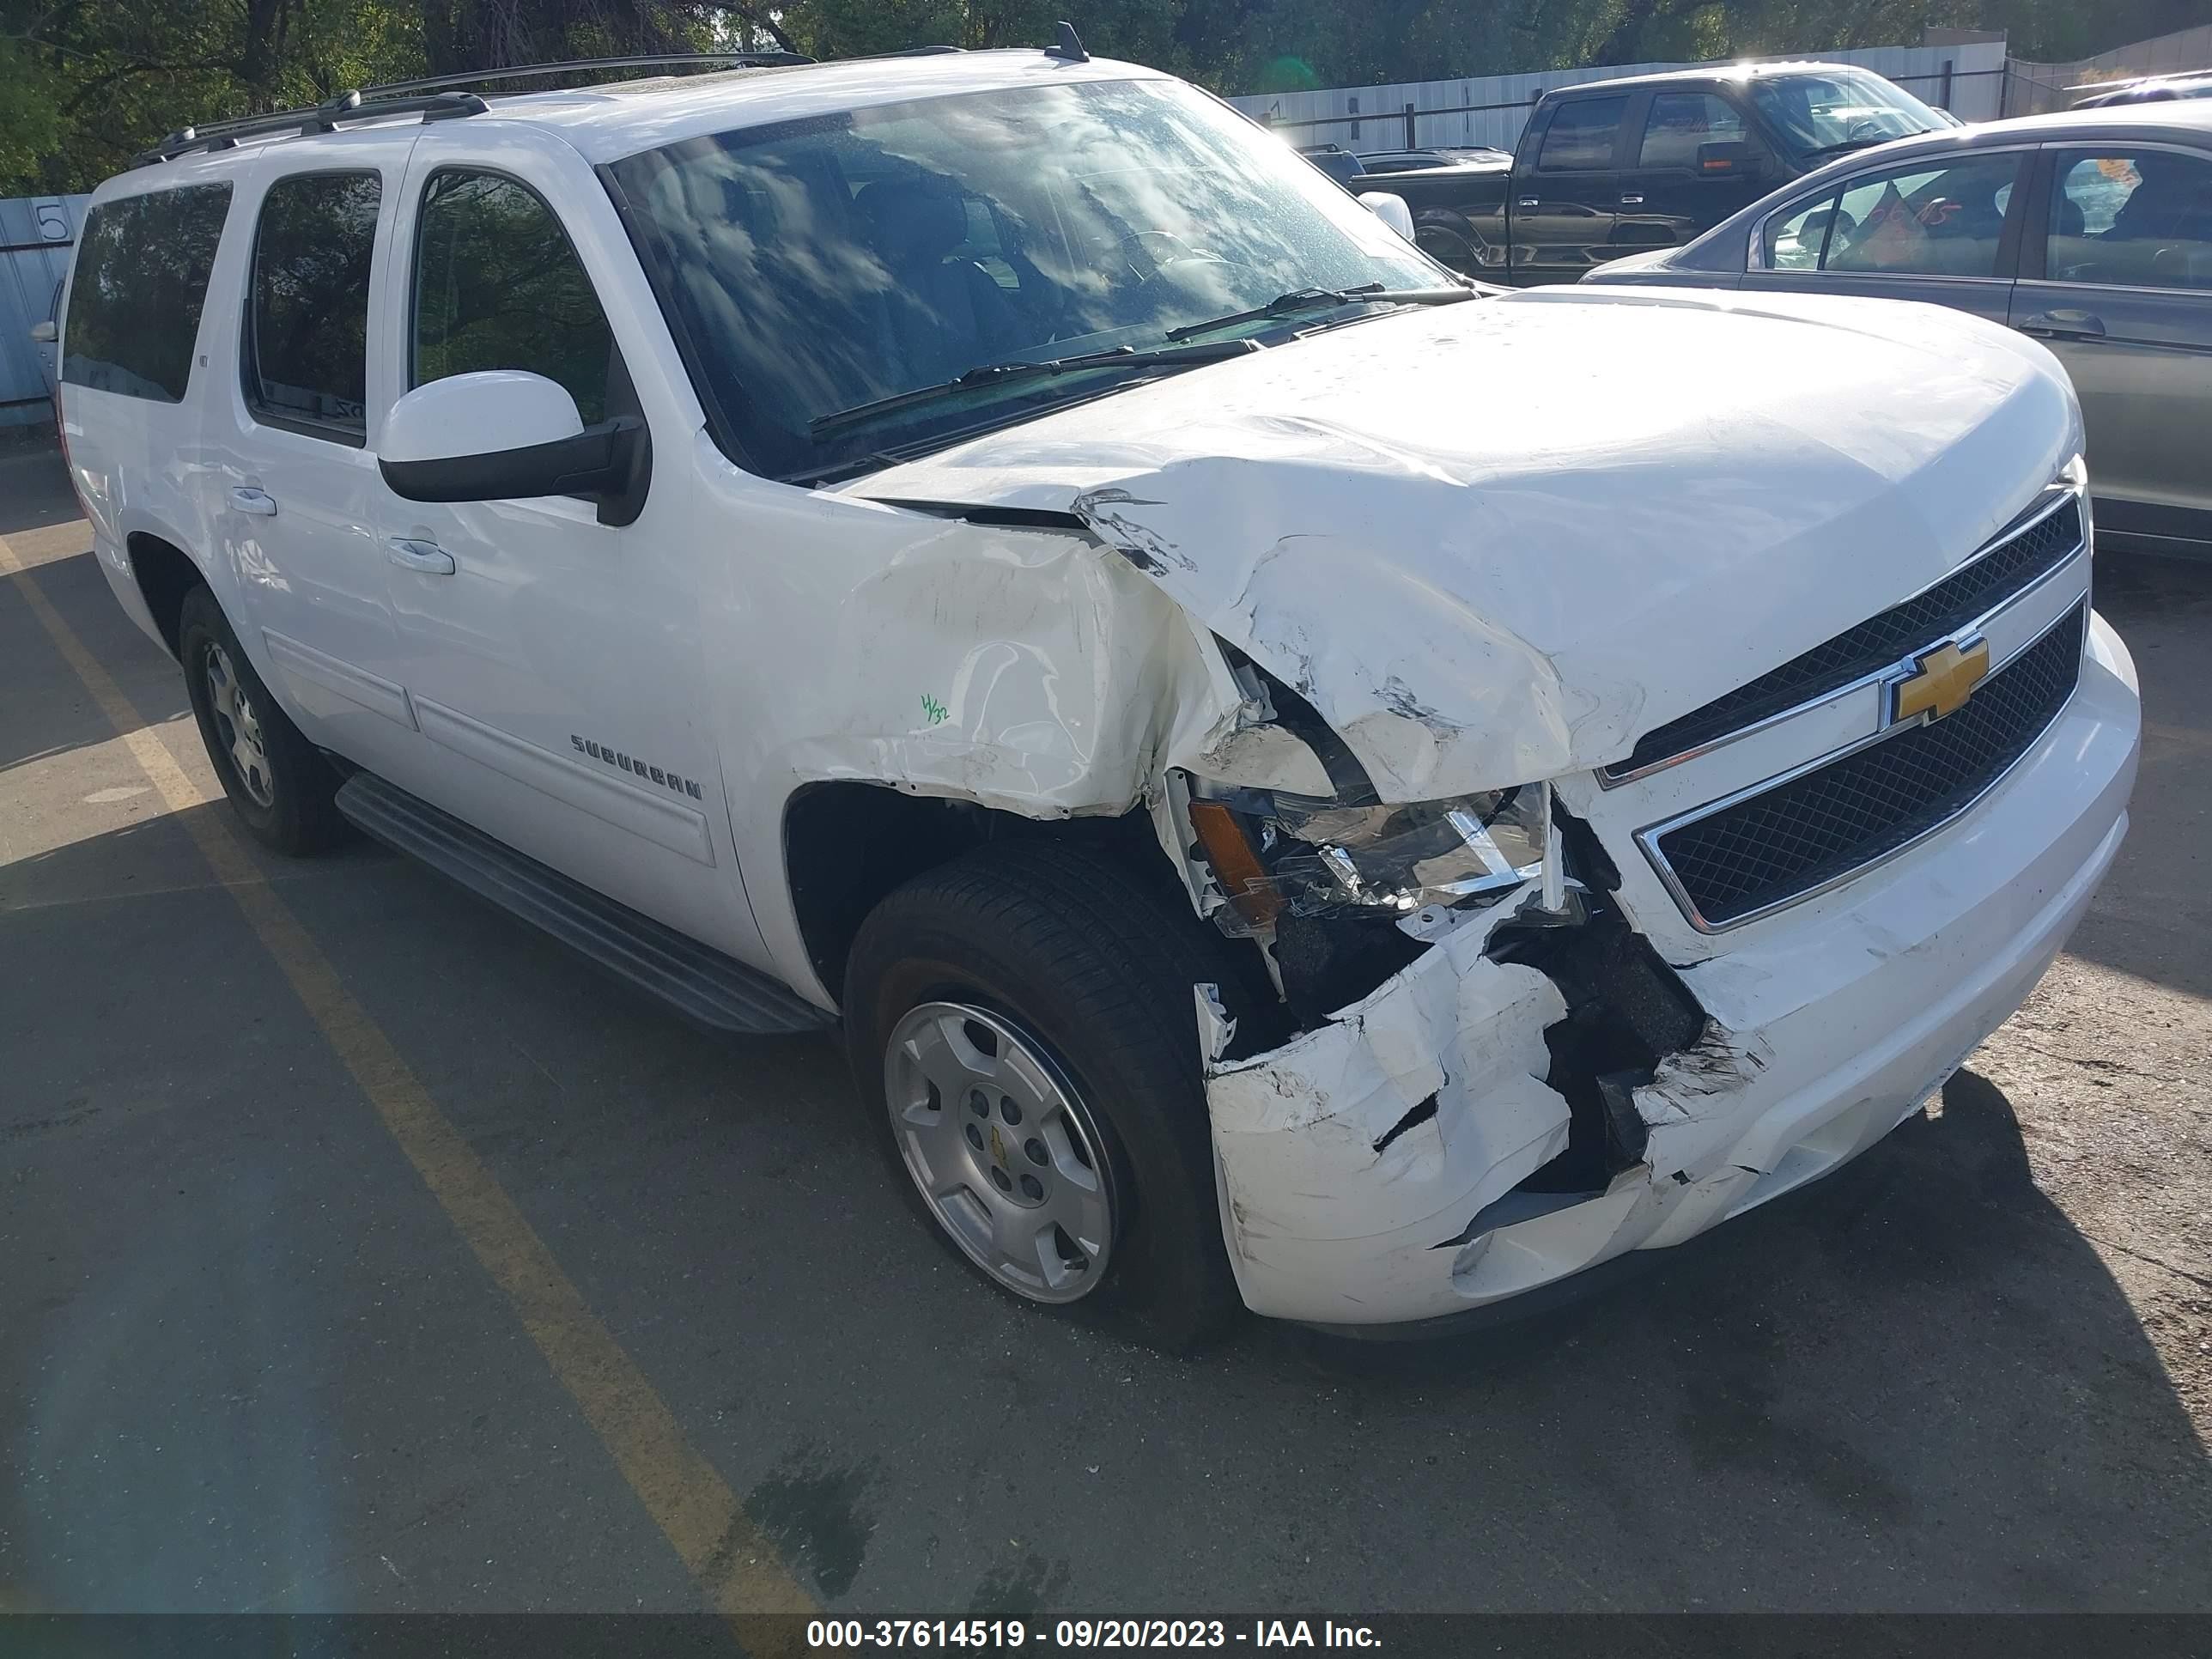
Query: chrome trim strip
2053, 499
1648, 837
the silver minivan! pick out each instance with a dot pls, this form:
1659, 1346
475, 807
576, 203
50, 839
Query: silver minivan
2090, 230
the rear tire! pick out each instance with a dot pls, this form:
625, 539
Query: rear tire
1081, 975
278, 782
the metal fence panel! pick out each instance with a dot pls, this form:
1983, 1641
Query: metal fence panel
36, 236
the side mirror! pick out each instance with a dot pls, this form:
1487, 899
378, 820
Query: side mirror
1391, 209
433, 446
44, 333
1731, 159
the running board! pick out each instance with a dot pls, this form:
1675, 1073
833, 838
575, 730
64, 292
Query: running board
693, 978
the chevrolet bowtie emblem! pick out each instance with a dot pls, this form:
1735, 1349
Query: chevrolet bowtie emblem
1940, 681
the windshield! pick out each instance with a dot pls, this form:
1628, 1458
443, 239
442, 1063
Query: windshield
1839, 107
816, 266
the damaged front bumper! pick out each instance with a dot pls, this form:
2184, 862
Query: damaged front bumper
1371, 1170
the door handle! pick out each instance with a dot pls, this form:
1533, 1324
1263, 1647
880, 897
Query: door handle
2063, 325
428, 557
1632, 201
1528, 201
259, 502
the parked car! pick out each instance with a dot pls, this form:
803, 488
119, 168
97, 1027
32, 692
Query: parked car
1339, 163
1611, 167
2150, 89
994, 548
2090, 230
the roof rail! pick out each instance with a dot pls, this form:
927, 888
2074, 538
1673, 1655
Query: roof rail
427, 96
315, 117
648, 60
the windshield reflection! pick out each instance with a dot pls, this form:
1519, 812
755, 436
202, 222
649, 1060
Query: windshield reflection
1847, 106
820, 264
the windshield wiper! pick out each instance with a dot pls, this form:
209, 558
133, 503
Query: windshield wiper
1318, 299
1024, 369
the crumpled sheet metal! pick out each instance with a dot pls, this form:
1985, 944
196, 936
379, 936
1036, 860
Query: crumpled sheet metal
1294, 1130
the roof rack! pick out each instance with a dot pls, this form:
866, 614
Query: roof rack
315, 117
567, 66
427, 97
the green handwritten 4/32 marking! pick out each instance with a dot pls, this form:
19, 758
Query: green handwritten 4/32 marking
933, 709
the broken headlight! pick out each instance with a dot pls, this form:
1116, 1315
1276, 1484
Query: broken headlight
1272, 850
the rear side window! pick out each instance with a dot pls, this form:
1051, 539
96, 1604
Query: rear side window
2137, 219
497, 285
1682, 122
307, 339
1582, 134
142, 276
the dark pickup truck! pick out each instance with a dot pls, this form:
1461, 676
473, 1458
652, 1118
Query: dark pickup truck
1647, 161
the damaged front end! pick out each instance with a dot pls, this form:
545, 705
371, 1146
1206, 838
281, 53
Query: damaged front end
1468, 1040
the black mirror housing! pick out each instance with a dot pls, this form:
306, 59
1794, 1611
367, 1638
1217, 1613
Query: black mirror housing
1730, 159
611, 464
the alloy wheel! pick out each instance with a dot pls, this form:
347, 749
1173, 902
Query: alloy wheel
238, 726
1003, 1148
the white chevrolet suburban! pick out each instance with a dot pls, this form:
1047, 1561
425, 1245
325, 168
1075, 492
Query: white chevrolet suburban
1306, 782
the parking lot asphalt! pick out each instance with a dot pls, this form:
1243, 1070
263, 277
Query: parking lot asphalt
362, 1250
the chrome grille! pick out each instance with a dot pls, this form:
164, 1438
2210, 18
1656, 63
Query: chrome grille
1810, 831
2015, 562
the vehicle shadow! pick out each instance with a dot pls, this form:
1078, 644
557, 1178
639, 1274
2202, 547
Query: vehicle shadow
48, 712
1905, 1361
2155, 909
1914, 1384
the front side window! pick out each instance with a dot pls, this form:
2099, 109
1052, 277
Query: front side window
2141, 219
813, 268
1681, 123
307, 338
1838, 110
142, 278
1922, 221
1582, 134
498, 285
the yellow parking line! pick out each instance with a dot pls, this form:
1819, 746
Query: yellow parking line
738, 1569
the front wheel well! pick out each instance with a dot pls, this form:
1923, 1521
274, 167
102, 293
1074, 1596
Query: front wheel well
166, 573
847, 846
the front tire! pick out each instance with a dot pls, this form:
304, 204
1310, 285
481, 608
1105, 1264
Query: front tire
279, 784
1021, 1030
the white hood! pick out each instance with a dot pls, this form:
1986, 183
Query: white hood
1494, 542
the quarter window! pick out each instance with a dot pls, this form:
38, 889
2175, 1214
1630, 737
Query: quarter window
1582, 134
142, 278
1918, 221
306, 340
2141, 219
498, 285
1682, 122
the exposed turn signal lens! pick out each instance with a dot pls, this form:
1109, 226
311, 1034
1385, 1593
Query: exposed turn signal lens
1236, 865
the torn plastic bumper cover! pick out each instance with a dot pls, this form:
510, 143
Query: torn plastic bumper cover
1393, 1163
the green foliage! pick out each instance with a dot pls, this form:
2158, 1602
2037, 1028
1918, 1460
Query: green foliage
30, 123
85, 83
